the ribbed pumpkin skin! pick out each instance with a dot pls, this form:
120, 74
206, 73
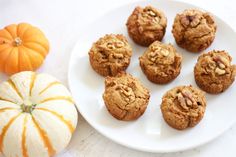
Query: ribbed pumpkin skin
22, 48
41, 131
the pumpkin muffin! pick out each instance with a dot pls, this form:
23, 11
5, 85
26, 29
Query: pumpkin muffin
146, 25
161, 63
125, 97
194, 30
183, 107
213, 72
110, 54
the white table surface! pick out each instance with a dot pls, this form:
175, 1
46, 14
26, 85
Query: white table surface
62, 22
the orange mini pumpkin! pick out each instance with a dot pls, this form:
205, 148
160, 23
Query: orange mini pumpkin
22, 47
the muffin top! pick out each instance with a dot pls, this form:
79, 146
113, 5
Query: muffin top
111, 48
215, 67
161, 59
146, 25
150, 19
125, 91
194, 30
183, 106
111, 52
194, 23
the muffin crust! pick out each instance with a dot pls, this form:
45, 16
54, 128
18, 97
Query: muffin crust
213, 72
125, 97
110, 55
194, 30
161, 63
183, 107
146, 25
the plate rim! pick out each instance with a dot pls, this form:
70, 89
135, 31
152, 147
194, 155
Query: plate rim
107, 135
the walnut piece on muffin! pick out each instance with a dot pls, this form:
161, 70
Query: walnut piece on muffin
213, 71
161, 63
194, 30
146, 25
110, 55
183, 107
125, 97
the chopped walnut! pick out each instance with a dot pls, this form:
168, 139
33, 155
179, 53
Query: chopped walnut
148, 11
158, 53
119, 44
188, 95
190, 20
212, 65
221, 61
153, 59
115, 44
182, 102
110, 46
127, 92
118, 55
151, 13
154, 47
222, 66
152, 54
156, 20
220, 71
186, 100
217, 65
150, 18
164, 52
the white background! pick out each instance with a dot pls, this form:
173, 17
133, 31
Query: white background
62, 21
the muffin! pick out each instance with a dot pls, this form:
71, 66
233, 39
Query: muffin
110, 55
194, 30
160, 63
213, 71
183, 107
146, 25
125, 97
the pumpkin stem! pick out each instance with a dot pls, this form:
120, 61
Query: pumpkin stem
28, 108
17, 41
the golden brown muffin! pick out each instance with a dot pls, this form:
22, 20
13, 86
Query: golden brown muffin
110, 55
125, 97
183, 107
213, 72
161, 63
194, 30
146, 25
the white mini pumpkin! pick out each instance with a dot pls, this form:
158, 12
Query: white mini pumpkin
37, 116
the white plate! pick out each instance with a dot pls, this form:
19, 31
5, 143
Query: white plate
150, 132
